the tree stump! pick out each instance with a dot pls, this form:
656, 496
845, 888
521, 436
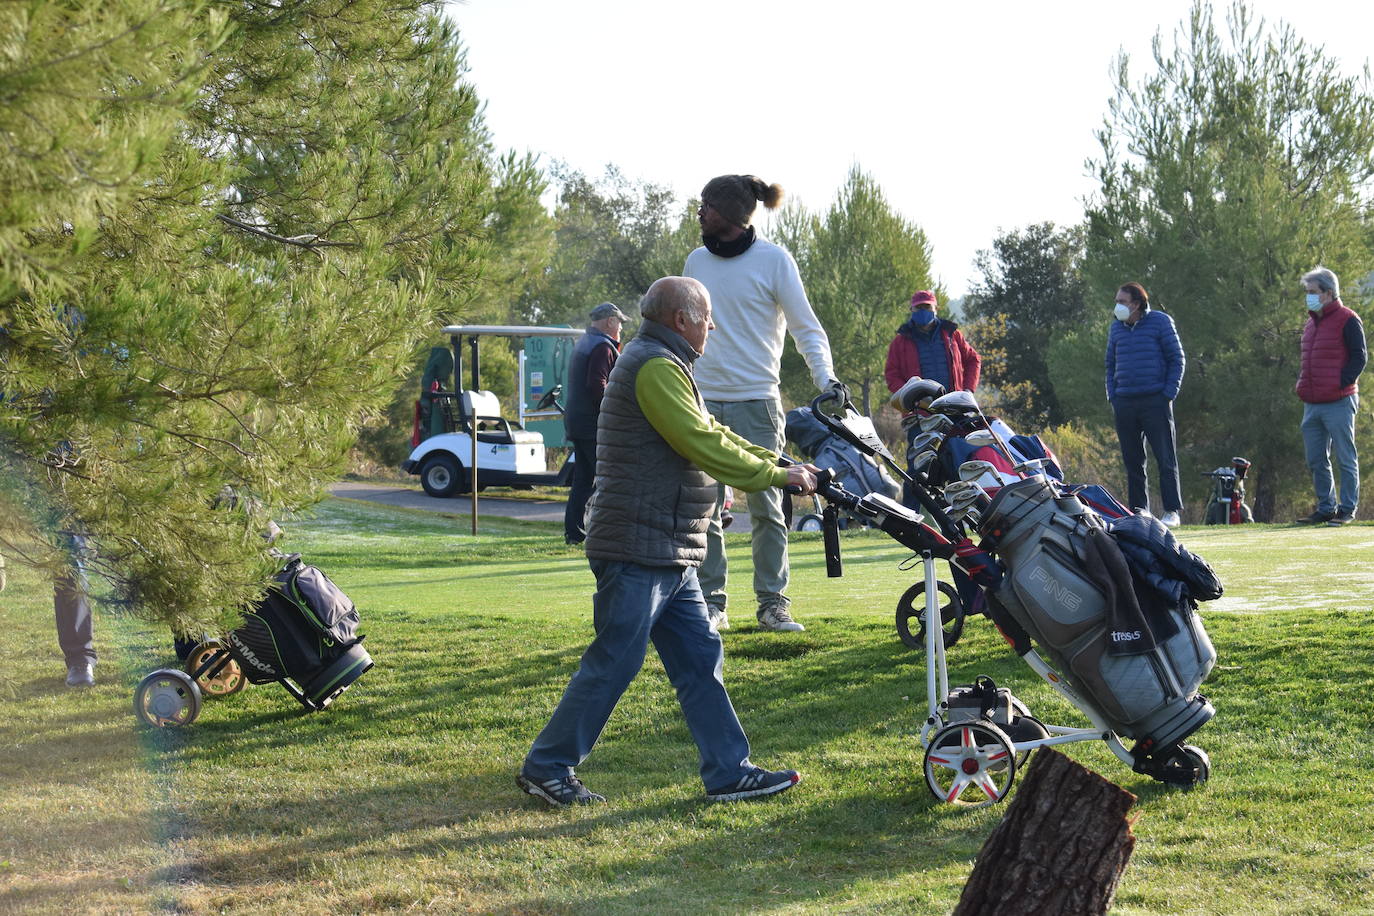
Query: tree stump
1060, 849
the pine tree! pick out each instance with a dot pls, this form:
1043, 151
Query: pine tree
234, 226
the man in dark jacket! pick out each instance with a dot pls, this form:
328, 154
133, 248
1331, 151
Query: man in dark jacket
1144, 372
660, 456
1333, 356
592, 360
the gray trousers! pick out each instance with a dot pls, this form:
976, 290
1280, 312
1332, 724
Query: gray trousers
1327, 430
761, 423
72, 610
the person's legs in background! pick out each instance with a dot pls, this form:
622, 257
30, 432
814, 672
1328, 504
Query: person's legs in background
584, 476
1131, 435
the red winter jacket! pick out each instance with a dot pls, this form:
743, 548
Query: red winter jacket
1324, 355
964, 363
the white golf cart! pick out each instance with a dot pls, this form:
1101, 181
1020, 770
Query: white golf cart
504, 453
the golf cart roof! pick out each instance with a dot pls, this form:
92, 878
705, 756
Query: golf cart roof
502, 330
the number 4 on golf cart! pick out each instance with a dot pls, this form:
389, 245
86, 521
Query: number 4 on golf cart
504, 452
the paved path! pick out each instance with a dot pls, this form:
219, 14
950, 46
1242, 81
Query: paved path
538, 510
415, 498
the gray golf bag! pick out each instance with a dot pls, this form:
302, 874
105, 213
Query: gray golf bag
1053, 590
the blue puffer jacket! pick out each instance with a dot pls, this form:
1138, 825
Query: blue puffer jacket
1156, 557
1144, 358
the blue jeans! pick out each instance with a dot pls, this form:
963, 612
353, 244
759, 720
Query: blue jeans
1328, 428
634, 604
1142, 418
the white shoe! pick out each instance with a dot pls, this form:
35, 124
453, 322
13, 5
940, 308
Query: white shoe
1171, 520
719, 619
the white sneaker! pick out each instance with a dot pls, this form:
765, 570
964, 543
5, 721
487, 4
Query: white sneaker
1171, 520
718, 618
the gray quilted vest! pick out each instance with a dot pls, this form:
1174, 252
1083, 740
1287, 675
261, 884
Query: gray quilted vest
651, 505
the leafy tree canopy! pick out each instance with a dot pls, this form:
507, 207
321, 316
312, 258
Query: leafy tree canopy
224, 229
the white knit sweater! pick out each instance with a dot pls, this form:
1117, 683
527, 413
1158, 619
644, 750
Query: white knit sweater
755, 297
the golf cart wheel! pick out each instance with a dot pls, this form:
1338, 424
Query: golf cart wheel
1185, 767
167, 698
970, 764
442, 476
230, 678
913, 606
809, 522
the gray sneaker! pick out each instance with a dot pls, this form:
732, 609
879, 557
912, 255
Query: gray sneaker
774, 615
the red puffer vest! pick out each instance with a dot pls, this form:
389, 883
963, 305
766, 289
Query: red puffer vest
1324, 355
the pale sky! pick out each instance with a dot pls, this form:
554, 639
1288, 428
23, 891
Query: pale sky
973, 117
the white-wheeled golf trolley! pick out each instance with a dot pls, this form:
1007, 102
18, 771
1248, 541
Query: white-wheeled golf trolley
1036, 589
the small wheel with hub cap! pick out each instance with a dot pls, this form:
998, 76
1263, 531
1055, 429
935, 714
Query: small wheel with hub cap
215, 683
167, 698
970, 764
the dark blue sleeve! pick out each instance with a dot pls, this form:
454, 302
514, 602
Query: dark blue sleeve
1355, 354
1111, 362
1172, 349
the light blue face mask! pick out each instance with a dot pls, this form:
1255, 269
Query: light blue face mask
1314, 302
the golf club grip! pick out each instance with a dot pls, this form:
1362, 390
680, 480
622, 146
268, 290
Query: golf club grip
830, 531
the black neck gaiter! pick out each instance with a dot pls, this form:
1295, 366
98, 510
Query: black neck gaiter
732, 249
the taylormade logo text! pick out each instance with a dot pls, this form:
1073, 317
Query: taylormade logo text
249, 655
1057, 590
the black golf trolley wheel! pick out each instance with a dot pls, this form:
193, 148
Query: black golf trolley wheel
809, 522
228, 679
1185, 766
912, 605
167, 698
1025, 727
970, 764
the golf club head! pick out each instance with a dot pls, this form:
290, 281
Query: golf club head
919, 461
972, 470
930, 441
917, 392
980, 437
936, 423
955, 403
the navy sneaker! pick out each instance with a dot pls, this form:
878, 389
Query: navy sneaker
1342, 517
559, 792
757, 781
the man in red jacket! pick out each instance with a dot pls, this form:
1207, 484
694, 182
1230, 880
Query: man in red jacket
1333, 356
933, 348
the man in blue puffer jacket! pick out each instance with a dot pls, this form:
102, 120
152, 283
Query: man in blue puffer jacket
1144, 371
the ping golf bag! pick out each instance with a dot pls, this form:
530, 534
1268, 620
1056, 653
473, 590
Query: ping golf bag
1136, 655
305, 629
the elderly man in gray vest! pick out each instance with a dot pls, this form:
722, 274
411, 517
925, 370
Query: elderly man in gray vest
659, 456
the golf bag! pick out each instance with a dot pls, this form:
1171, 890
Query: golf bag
1066, 587
1226, 504
304, 629
855, 471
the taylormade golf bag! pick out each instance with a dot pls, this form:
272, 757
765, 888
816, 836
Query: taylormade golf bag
305, 629
1131, 652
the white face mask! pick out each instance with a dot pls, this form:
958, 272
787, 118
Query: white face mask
1314, 302
1122, 312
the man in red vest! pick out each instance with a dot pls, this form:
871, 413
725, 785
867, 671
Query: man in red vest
1333, 356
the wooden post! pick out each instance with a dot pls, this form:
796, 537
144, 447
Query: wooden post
1061, 848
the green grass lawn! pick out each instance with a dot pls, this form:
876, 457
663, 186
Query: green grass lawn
401, 796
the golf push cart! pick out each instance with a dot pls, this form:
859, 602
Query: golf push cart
302, 634
1030, 569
